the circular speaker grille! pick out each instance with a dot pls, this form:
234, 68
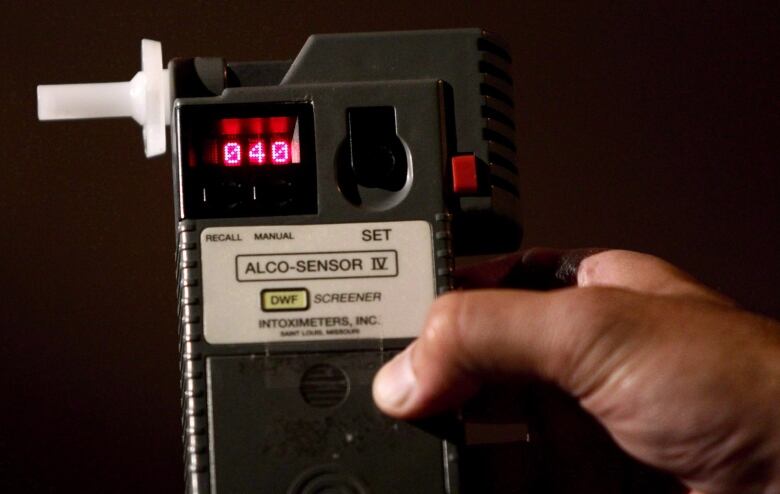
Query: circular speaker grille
324, 386
326, 479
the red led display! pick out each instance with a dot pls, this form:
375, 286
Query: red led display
257, 152
231, 153
253, 141
280, 152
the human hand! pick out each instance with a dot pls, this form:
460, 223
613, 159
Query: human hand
680, 377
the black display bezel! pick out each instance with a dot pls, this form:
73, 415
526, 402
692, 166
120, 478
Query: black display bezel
213, 191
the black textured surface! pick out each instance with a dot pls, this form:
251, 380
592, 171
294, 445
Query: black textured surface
224, 460
265, 433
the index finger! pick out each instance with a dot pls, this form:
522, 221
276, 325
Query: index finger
546, 268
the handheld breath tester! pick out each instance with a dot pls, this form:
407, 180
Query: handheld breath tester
319, 207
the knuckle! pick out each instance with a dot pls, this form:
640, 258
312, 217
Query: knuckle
622, 264
601, 266
444, 330
590, 268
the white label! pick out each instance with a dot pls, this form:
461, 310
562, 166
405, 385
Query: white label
316, 282
317, 265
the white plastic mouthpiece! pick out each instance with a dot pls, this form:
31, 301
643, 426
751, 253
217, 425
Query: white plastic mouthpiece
146, 98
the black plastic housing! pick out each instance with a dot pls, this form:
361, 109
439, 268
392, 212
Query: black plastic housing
247, 425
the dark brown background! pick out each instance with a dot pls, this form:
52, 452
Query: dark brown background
649, 126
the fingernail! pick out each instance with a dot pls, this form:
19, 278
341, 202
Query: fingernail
395, 382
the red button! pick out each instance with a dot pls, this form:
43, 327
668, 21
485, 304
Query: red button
464, 174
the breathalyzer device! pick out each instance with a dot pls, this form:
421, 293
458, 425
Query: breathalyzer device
319, 205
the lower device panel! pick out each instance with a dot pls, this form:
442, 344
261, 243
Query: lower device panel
306, 423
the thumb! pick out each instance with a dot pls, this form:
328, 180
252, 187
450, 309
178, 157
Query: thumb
485, 334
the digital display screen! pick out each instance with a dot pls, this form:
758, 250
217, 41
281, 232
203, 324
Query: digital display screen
255, 141
240, 160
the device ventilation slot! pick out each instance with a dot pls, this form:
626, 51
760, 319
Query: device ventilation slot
504, 185
324, 398
498, 116
491, 44
499, 86
499, 160
492, 91
496, 86
496, 128
324, 386
488, 68
498, 138
498, 105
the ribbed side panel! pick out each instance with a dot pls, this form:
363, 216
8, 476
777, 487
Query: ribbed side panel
444, 261
444, 257
193, 375
498, 107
